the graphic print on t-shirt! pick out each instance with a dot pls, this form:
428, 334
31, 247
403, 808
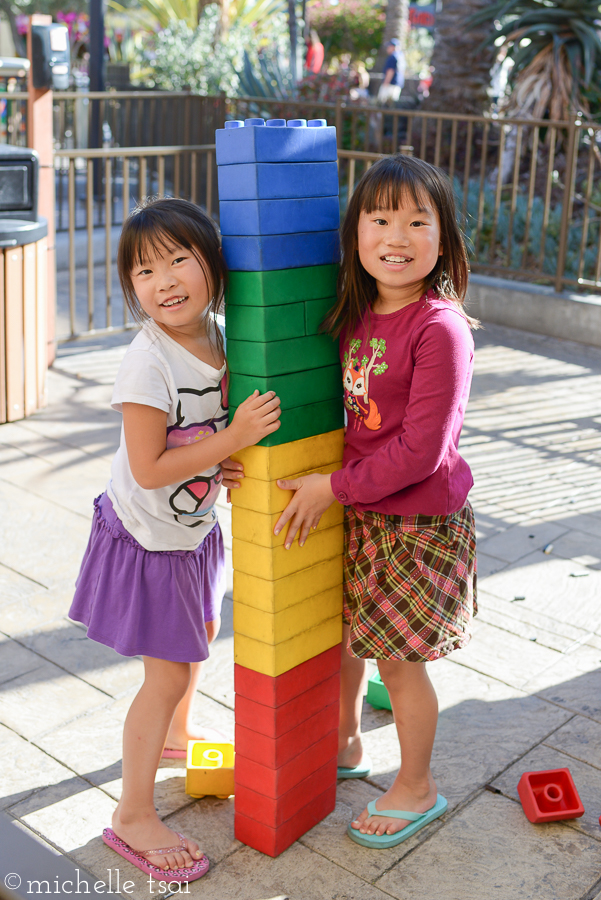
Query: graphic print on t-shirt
194, 498
355, 379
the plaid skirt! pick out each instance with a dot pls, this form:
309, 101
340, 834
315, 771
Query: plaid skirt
409, 584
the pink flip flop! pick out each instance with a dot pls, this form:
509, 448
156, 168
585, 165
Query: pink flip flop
139, 859
168, 753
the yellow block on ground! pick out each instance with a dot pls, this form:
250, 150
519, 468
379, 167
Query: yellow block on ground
273, 628
277, 562
265, 496
274, 659
257, 528
273, 596
288, 460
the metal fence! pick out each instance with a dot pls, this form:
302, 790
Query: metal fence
528, 191
135, 119
97, 190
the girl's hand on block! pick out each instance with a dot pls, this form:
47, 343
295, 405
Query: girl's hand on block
256, 417
231, 473
313, 496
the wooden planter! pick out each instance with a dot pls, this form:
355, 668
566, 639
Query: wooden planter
23, 330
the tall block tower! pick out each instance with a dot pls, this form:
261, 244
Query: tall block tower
278, 192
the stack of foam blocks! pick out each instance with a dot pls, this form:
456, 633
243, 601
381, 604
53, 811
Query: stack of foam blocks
279, 214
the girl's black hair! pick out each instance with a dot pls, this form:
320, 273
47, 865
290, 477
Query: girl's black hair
385, 186
156, 226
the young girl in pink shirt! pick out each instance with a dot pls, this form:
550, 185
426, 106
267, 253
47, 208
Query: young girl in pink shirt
409, 557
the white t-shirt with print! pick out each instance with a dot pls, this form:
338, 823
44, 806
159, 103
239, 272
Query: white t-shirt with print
157, 371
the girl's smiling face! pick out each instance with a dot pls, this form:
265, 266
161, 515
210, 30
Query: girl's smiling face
172, 289
399, 248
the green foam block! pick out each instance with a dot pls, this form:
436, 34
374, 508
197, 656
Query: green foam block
377, 695
304, 421
281, 357
281, 286
293, 390
315, 313
265, 323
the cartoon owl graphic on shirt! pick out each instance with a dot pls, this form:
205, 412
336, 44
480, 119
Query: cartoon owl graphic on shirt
194, 499
355, 379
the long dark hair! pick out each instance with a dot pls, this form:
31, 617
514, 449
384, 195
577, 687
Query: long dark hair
156, 226
384, 186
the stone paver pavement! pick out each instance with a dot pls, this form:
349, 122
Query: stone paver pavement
525, 694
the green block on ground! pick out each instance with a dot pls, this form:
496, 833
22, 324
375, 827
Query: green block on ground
293, 390
377, 695
281, 286
282, 357
304, 421
265, 323
315, 313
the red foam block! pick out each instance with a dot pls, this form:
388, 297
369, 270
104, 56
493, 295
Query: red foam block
275, 782
276, 752
549, 796
276, 691
274, 721
275, 811
273, 841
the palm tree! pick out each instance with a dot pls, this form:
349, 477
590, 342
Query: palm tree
556, 53
462, 63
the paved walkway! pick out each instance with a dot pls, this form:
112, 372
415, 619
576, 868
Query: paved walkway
526, 693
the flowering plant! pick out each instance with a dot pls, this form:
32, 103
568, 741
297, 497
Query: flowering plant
350, 26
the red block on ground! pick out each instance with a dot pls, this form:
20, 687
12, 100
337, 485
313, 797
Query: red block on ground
276, 752
274, 812
275, 782
280, 690
275, 721
274, 841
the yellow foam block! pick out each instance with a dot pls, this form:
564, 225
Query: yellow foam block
210, 768
266, 496
273, 659
273, 596
257, 528
286, 460
277, 562
273, 628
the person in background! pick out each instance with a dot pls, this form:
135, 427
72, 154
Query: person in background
394, 73
315, 53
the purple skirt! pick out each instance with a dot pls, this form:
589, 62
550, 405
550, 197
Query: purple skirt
143, 602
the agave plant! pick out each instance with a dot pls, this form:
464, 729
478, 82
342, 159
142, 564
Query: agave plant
556, 51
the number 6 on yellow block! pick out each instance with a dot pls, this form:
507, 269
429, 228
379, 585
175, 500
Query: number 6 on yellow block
210, 769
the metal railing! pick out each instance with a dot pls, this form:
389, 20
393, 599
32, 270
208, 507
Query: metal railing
102, 186
527, 190
13, 117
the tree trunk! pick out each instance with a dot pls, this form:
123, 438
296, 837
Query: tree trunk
397, 26
461, 68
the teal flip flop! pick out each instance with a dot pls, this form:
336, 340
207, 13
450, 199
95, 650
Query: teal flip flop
417, 820
360, 771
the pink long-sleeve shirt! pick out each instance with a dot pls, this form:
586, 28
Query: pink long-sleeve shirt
406, 384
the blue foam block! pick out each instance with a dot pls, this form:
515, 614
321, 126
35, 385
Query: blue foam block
280, 251
280, 143
279, 216
277, 181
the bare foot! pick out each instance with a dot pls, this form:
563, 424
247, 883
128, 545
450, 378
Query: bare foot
398, 797
350, 752
178, 740
152, 834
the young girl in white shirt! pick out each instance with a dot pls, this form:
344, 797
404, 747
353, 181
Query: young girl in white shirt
153, 577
